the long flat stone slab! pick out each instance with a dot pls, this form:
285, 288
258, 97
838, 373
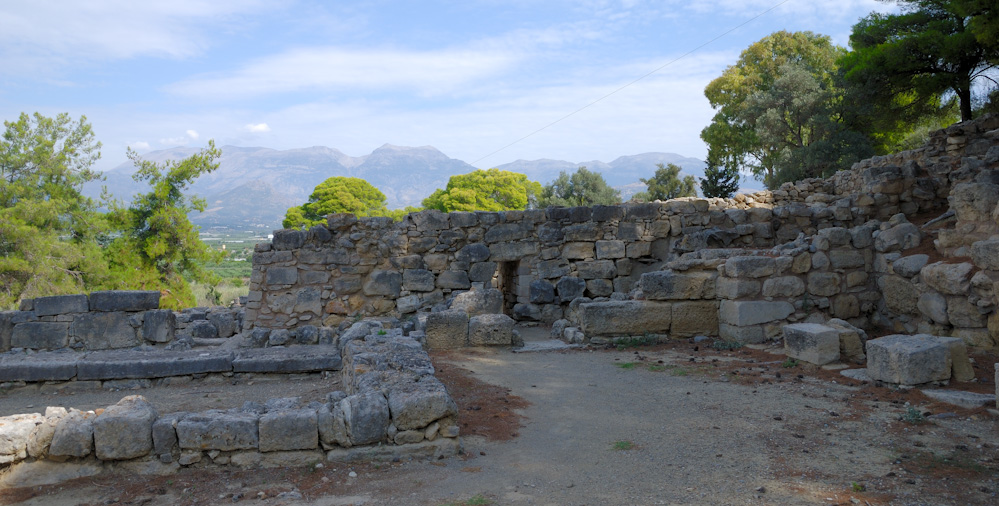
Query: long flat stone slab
288, 360
106, 365
58, 366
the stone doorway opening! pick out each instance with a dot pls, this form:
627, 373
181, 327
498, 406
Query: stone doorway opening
506, 282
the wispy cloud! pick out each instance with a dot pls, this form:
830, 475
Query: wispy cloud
189, 135
257, 128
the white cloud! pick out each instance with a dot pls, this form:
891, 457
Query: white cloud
329, 68
139, 145
183, 140
256, 128
193, 134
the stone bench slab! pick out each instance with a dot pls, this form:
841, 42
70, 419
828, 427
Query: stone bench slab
39, 367
151, 364
288, 360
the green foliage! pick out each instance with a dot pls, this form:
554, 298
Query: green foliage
726, 345
913, 416
666, 183
485, 190
906, 62
627, 366
623, 445
337, 195
582, 188
48, 229
159, 246
623, 343
789, 363
720, 181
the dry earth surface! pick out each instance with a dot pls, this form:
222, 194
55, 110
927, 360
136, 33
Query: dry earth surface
681, 423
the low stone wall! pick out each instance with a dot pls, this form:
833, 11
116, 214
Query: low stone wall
391, 398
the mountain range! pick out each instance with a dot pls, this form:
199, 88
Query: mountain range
254, 186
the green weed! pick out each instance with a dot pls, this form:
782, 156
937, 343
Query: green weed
657, 367
913, 416
627, 365
857, 487
726, 345
623, 445
623, 343
789, 363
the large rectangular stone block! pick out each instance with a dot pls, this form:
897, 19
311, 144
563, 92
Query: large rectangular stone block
750, 267
294, 429
812, 342
743, 313
124, 431
104, 330
596, 269
151, 364
218, 430
625, 318
672, 285
39, 367
124, 300
746, 334
159, 325
447, 330
908, 360
288, 360
40, 335
694, 318
490, 330
61, 304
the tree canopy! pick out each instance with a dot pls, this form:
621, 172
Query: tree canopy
485, 190
582, 188
666, 183
719, 181
337, 195
907, 61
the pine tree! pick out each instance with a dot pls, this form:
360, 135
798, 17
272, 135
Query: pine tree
719, 181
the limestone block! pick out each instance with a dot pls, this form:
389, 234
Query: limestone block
125, 300
74, 435
332, 427
225, 321
158, 325
430, 220
61, 304
851, 341
582, 232
380, 282
610, 249
551, 269
741, 334
408, 304
979, 338
812, 342
282, 275
124, 431
672, 285
837, 236
599, 287
624, 318
963, 313
41, 435
202, 329
366, 417
985, 254
506, 232
898, 238
578, 250
909, 266
846, 306
641, 249
490, 330
453, 280
40, 335
693, 318
744, 313
908, 360
218, 430
473, 253
347, 284
846, 258
950, 279
824, 284
750, 267
447, 330
736, 288
509, 251
961, 369
288, 239
541, 292
165, 434
900, 296
596, 269
482, 272
289, 429
418, 280
569, 288
15, 431
415, 405
783, 286
476, 302
973, 201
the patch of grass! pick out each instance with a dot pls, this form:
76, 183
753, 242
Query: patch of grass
223, 293
623, 343
726, 345
789, 363
857, 487
623, 445
679, 371
913, 416
382, 332
627, 365
476, 500
657, 367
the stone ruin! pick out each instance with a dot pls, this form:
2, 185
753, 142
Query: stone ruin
817, 263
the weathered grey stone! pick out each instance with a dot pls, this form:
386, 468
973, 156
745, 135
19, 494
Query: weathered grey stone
812, 342
201, 329
159, 325
851, 341
735, 288
569, 288
596, 269
108, 365
950, 279
416, 405
288, 429
985, 254
41, 434
332, 428
744, 313
40, 335
6, 329
551, 269
908, 360
447, 330
294, 359
387, 283
599, 287
279, 337
288, 239
453, 280
846, 259
366, 417
963, 313
672, 285
74, 435
824, 284
846, 306
164, 433
124, 431
837, 236
481, 301
898, 238
961, 369
225, 322
15, 431
505, 252
61, 304
124, 300
750, 267
430, 220
505, 232
482, 272
933, 306
973, 202
783, 286
490, 330
541, 292
408, 304
909, 266
578, 250
610, 249
625, 318
900, 296
282, 275
418, 280
218, 430
39, 366
694, 318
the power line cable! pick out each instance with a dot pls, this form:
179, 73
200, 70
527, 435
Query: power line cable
667, 64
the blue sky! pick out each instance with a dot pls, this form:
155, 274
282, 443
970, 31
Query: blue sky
468, 77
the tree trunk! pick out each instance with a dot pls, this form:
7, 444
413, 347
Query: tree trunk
964, 95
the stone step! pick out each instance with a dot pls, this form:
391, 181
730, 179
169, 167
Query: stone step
107, 365
288, 360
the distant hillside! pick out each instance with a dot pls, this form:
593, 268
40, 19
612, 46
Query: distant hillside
254, 186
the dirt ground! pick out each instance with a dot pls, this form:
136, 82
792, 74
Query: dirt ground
681, 423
